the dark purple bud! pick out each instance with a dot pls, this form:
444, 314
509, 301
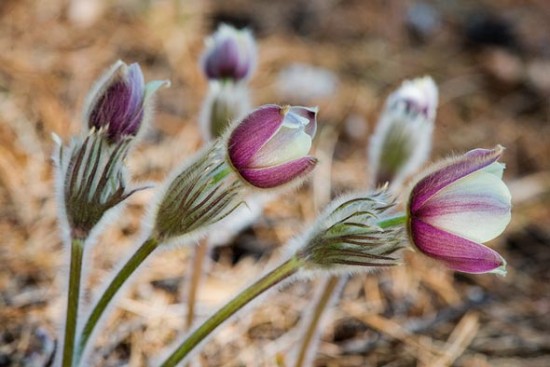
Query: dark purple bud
119, 105
230, 54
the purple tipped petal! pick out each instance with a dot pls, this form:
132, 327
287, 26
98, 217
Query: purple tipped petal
463, 166
456, 252
252, 133
275, 176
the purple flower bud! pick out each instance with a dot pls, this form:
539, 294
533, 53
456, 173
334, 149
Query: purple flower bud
120, 102
459, 205
269, 147
230, 54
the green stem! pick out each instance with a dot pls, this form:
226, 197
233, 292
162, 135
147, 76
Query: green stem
279, 274
393, 221
73, 297
321, 304
120, 278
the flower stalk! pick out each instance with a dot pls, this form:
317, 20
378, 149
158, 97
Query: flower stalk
118, 281
75, 275
353, 233
279, 274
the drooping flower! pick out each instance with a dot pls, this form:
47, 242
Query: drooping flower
401, 142
230, 54
458, 206
270, 146
120, 102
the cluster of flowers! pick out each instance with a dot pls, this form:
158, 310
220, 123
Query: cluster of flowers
451, 209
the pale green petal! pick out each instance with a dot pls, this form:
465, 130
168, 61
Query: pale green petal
496, 169
152, 87
287, 145
294, 121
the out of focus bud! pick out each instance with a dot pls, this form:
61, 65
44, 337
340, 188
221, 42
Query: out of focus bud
355, 232
270, 147
225, 103
401, 142
230, 54
120, 102
456, 207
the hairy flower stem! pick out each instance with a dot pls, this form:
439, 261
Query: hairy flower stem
276, 276
73, 297
120, 278
321, 303
199, 257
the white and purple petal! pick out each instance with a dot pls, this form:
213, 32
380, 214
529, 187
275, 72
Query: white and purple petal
470, 162
292, 141
457, 253
477, 207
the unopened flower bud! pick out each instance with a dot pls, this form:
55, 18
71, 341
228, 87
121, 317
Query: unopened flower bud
226, 102
270, 147
120, 102
457, 206
401, 142
230, 54
353, 233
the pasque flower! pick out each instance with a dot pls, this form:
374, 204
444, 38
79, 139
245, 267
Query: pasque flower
401, 142
120, 102
230, 54
270, 146
458, 206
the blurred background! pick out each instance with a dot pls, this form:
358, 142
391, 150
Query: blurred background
491, 61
